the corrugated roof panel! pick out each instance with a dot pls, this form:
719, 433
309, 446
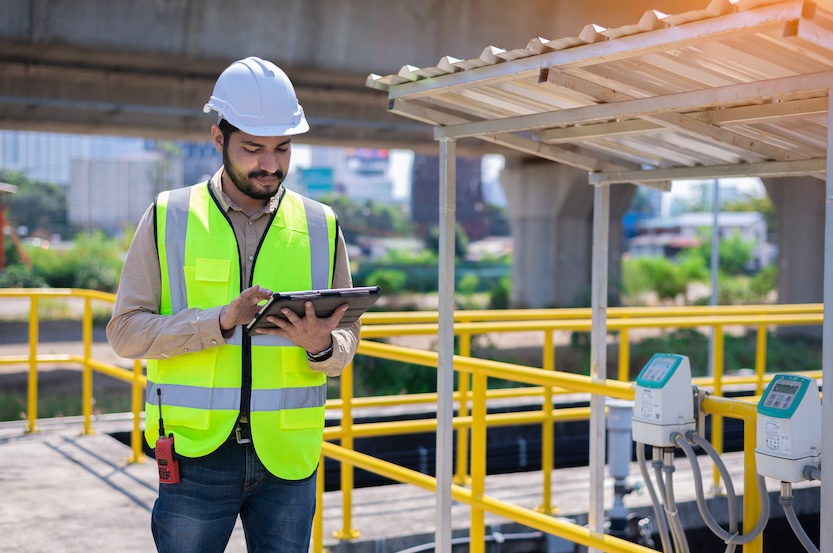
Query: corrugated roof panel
720, 47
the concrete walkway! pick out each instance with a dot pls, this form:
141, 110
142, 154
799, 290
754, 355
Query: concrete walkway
61, 492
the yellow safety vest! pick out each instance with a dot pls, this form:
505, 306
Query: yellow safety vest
203, 392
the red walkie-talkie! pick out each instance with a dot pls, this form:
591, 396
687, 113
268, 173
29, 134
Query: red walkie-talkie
166, 459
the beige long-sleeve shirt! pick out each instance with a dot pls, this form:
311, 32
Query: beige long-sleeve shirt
138, 331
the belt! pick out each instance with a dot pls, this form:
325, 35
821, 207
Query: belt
242, 433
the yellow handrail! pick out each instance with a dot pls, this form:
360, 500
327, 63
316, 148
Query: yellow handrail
542, 383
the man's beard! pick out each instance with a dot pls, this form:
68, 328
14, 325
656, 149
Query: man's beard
245, 184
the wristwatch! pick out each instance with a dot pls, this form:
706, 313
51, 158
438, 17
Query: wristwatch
321, 355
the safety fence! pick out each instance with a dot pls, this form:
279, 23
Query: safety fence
472, 396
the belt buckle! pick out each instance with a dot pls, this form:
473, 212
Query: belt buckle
238, 434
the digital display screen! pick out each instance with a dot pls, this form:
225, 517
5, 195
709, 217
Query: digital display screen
783, 388
658, 369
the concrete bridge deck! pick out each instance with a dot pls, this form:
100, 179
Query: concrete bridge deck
63, 492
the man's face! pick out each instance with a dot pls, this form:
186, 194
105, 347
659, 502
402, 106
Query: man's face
256, 165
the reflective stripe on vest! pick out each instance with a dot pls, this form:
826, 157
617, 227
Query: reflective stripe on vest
199, 397
201, 391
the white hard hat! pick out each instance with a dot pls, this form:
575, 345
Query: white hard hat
258, 98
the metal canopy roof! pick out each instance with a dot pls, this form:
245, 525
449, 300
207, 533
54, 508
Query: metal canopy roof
677, 93
738, 88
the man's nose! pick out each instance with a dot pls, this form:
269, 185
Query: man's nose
270, 163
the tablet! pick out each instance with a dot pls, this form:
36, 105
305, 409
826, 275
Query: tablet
358, 299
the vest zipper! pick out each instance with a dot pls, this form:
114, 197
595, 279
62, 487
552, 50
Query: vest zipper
246, 392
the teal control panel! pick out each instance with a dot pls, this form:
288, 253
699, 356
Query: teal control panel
782, 396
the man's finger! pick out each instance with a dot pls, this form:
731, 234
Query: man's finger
338, 314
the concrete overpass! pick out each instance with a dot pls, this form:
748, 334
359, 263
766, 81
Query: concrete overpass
146, 68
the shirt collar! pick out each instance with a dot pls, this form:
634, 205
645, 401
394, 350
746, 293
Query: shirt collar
215, 183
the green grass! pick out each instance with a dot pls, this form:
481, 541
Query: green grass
13, 405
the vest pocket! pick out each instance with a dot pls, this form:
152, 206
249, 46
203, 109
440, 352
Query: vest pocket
211, 278
296, 419
188, 388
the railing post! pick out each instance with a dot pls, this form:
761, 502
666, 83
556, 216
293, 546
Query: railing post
32, 399
624, 355
478, 461
717, 420
547, 431
751, 500
760, 359
136, 405
347, 531
318, 519
462, 476
87, 374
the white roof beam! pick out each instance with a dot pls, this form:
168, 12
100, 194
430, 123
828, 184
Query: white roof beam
518, 143
597, 130
762, 169
760, 113
640, 107
678, 121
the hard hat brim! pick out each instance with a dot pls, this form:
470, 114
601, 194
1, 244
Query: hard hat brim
278, 130
257, 130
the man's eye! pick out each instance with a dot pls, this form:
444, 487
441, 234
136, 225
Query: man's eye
250, 151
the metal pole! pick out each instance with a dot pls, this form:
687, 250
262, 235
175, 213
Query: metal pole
445, 367
598, 354
826, 511
715, 263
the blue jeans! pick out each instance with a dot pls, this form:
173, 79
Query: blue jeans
198, 514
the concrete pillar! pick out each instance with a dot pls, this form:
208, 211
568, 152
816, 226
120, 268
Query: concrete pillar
551, 206
799, 210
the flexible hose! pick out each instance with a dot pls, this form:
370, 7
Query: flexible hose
716, 529
763, 494
787, 502
721, 467
731, 537
671, 508
659, 514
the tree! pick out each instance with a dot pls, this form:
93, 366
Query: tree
761, 204
372, 218
39, 206
734, 253
461, 241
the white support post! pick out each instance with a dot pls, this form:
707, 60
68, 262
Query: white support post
598, 354
445, 368
826, 508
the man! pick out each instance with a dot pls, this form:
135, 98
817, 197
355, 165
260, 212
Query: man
246, 413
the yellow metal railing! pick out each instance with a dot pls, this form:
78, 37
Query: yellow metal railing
472, 389
134, 377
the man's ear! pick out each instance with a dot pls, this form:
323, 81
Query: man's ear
217, 138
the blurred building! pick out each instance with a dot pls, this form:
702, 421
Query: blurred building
46, 157
425, 192
200, 160
359, 173
110, 193
668, 236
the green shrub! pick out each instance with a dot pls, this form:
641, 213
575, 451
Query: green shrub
501, 294
390, 281
17, 276
734, 253
94, 262
653, 273
764, 281
375, 376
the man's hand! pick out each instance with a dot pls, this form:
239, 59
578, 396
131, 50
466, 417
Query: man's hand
243, 308
309, 332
